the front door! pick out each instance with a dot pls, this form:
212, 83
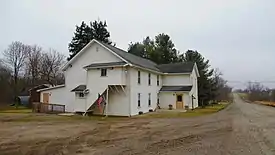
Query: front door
179, 103
45, 97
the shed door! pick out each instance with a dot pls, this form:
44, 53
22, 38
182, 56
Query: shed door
179, 104
45, 97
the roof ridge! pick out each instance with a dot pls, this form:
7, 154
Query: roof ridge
128, 52
178, 63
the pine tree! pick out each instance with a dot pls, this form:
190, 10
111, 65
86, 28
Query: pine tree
206, 84
80, 39
161, 50
100, 32
85, 33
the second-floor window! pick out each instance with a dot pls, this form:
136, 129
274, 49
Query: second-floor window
138, 99
157, 80
149, 99
149, 79
138, 77
103, 72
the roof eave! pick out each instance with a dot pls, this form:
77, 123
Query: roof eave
84, 48
147, 69
55, 87
175, 90
176, 73
106, 66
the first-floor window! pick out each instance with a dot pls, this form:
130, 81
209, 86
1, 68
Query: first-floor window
81, 94
157, 80
138, 99
149, 99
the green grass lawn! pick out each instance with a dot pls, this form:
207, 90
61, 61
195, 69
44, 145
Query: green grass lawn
12, 109
190, 113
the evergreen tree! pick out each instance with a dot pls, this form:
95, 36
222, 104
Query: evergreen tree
206, 83
161, 50
100, 32
137, 49
80, 39
85, 33
165, 49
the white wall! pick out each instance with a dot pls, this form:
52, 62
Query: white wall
118, 102
76, 75
57, 96
80, 103
144, 89
167, 98
176, 80
194, 90
97, 84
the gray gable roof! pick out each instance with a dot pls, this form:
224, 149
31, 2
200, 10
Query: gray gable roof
146, 63
185, 67
101, 65
176, 88
133, 59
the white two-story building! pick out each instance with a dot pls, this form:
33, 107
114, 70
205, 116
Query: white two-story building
128, 84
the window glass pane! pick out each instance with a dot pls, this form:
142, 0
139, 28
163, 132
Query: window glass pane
149, 79
179, 98
103, 72
81, 95
149, 99
138, 99
158, 80
138, 77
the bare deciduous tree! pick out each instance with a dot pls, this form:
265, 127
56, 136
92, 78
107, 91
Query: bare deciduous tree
5, 82
50, 66
223, 91
257, 92
15, 57
33, 63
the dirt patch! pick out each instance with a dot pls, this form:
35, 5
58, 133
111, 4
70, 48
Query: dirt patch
235, 130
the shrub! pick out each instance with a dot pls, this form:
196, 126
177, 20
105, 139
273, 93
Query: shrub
170, 106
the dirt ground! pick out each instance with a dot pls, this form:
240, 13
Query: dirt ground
241, 129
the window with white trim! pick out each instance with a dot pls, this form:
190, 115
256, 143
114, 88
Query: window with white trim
157, 80
149, 79
149, 99
81, 95
103, 72
138, 99
138, 77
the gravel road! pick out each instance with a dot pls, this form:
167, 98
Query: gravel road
240, 129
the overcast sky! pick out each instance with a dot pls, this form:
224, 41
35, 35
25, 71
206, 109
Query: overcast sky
238, 36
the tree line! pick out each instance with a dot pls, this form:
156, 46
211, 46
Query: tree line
258, 92
24, 66
161, 50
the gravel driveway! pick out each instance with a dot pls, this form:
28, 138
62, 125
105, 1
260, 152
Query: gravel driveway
241, 129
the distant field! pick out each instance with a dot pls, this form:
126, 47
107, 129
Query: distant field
268, 103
